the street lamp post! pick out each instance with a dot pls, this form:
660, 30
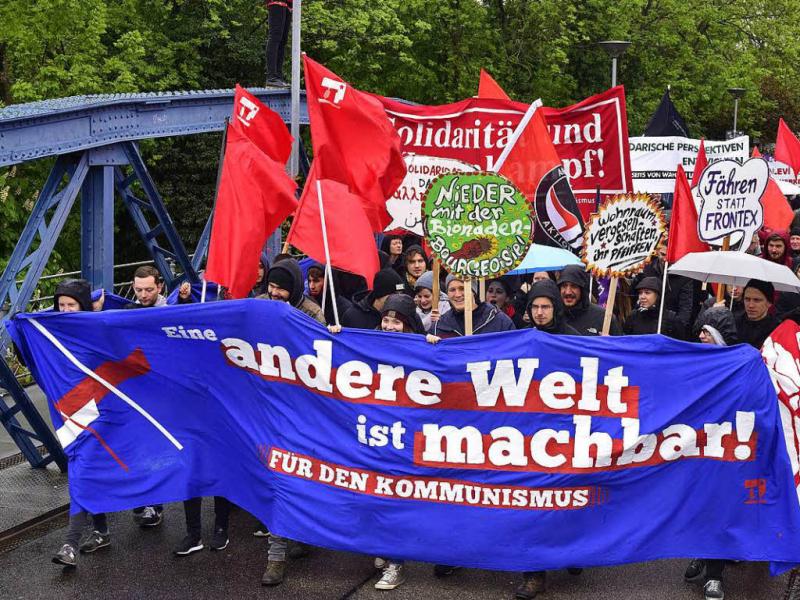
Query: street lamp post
737, 93
615, 49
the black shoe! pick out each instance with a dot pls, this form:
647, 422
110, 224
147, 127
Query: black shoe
66, 556
713, 590
298, 550
219, 541
695, 570
532, 584
151, 517
277, 82
95, 541
261, 531
188, 545
274, 573
574, 570
444, 570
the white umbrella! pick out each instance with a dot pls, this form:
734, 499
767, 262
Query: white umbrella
735, 268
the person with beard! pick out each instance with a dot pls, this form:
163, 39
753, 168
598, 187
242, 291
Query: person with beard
546, 309
644, 320
680, 293
423, 298
794, 247
755, 324
486, 318
546, 313
715, 326
776, 246
285, 283
414, 265
586, 318
365, 313
317, 290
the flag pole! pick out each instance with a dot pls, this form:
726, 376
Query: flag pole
663, 294
327, 252
216, 187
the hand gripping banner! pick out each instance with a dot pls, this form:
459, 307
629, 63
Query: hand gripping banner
511, 451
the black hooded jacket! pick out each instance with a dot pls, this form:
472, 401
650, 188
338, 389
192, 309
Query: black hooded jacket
342, 303
77, 289
720, 319
679, 295
296, 296
755, 332
361, 314
585, 317
558, 326
644, 321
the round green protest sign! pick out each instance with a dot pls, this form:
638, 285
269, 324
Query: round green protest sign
477, 224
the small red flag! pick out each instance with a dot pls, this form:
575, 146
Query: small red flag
683, 236
700, 163
489, 88
778, 214
534, 167
350, 239
365, 152
255, 195
787, 147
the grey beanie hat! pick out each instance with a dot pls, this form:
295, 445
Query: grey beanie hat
425, 281
452, 277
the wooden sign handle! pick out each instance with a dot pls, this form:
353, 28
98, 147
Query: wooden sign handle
435, 290
612, 294
469, 301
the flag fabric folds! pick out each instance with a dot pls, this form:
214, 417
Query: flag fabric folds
255, 194
533, 165
489, 88
778, 214
365, 153
666, 120
350, 239
787, 147
683, 236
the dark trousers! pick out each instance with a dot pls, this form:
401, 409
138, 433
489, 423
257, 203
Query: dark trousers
714, 568
78, 522
222, 510
279, 24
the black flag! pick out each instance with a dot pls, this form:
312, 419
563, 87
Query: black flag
666, 120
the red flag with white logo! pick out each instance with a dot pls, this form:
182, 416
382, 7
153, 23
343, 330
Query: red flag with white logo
364, 146
255, 194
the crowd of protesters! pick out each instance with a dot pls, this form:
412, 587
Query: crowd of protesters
401, 299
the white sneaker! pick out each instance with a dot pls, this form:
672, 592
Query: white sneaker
393, 576
380, 563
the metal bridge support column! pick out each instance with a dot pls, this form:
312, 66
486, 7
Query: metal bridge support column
97, 228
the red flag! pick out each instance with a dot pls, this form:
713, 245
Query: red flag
350, 239
255, 195
489, 88
364, 146
787, 147
264, 127
778, 214
533, 165
700, 163
683, 237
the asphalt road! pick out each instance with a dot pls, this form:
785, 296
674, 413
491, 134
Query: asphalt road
139, 565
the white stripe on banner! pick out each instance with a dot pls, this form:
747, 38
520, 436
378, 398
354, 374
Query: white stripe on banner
122, 396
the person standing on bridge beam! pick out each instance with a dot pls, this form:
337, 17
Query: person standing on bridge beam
279, 13
148, 285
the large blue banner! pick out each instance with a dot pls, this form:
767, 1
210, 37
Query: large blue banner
513, 451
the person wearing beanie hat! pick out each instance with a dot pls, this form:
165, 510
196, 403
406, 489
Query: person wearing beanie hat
756, 323
579, 312
365, 313
285, 284
680, 293
318, 291
546, 309
399, 314
486, 318
423, 298
644, 320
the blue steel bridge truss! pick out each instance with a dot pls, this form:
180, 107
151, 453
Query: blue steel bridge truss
95, 142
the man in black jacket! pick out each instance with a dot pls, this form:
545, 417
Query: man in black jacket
755, 325
579, 312
366, 312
